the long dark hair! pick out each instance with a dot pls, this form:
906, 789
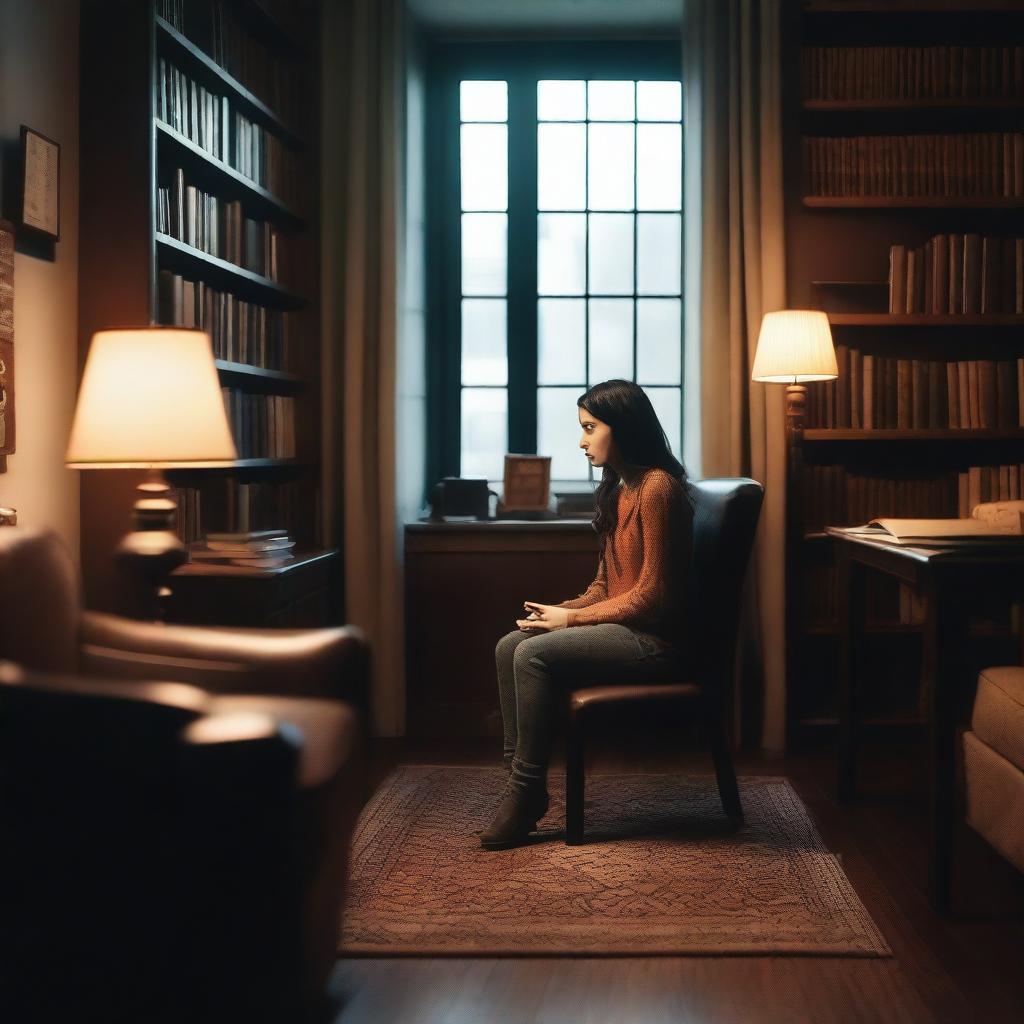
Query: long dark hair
639, 438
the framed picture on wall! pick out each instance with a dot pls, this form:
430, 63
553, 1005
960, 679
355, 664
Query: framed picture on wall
40, 184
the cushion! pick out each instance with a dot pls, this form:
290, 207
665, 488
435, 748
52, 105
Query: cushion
998, 718
995, 799
39, 598
329, 730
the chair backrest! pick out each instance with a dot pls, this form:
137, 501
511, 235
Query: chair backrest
725, 514
39, 601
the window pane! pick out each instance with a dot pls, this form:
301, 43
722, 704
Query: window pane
561, 167
483, 101
484, 253
558, 433
610, 101
659, 173
611, 339
611, 254
659, 253
666, 405
610, 167
560, 254
484, 166
484, 344
561, 341
561, 101
659, 101
658, 341
484, 432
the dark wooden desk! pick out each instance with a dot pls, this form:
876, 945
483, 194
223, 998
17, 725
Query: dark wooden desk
949, 579
465, 585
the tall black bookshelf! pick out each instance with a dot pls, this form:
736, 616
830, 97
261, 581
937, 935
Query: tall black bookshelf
199, 185
903, 130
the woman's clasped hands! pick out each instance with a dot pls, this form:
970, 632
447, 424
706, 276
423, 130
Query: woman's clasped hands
543, 618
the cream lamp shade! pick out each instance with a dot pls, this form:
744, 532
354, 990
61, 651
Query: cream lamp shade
794, 347
150, 398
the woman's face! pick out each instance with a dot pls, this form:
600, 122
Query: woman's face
596, 441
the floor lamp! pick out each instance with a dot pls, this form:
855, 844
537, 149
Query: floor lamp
794, 348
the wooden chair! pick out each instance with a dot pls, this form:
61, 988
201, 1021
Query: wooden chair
724, 522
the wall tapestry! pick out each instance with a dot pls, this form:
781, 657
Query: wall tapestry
6, 342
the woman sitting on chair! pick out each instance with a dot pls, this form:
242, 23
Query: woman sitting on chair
627, 626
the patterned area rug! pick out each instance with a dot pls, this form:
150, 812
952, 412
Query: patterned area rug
661, 873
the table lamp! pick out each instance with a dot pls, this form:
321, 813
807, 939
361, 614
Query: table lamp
794, 347
150, 399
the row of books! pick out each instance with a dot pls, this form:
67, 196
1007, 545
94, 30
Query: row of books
913, 72
262, 156
876, 392
834, 496
172, 11
242, 332
220, 228
254, 549
263, 426
246, 58
958, 273
215, 29
974, 164
209, 120
200, 114
226, 503
887, 602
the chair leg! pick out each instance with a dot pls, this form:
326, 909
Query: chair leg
574, 782
728, 791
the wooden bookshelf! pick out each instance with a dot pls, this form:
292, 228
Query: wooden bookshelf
965, 320
188, 260
914, 202
881, 106
911, 6
205, 69
227, 182
837, 87
281, 379
882, 435
134, 272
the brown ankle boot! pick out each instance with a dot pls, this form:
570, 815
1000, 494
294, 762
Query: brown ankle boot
517, 816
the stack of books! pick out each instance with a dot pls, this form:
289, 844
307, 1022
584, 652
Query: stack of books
255, 549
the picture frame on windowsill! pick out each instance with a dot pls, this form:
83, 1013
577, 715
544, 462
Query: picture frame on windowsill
527, 484
39, 207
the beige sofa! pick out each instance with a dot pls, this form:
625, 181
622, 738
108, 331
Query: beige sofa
994, 762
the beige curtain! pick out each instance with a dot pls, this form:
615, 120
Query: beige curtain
735, 260
361, 172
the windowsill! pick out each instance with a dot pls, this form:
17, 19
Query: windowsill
501, 525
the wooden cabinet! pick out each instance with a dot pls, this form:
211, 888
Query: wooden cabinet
300, 594
465, 587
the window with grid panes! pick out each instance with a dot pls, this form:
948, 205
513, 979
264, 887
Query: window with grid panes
559, 206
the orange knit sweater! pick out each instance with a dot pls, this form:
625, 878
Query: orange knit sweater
641, 575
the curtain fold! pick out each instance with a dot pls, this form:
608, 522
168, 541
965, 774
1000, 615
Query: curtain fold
361, 193
735, 272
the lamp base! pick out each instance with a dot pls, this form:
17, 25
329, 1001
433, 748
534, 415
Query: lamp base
152, 550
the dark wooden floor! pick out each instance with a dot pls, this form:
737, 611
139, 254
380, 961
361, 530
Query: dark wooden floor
969, 968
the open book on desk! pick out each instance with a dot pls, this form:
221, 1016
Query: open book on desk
930, 533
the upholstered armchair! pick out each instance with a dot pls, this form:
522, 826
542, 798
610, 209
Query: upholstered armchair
176, 803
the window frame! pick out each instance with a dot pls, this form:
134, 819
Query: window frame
447, 64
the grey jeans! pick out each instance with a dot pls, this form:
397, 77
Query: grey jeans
536, 669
